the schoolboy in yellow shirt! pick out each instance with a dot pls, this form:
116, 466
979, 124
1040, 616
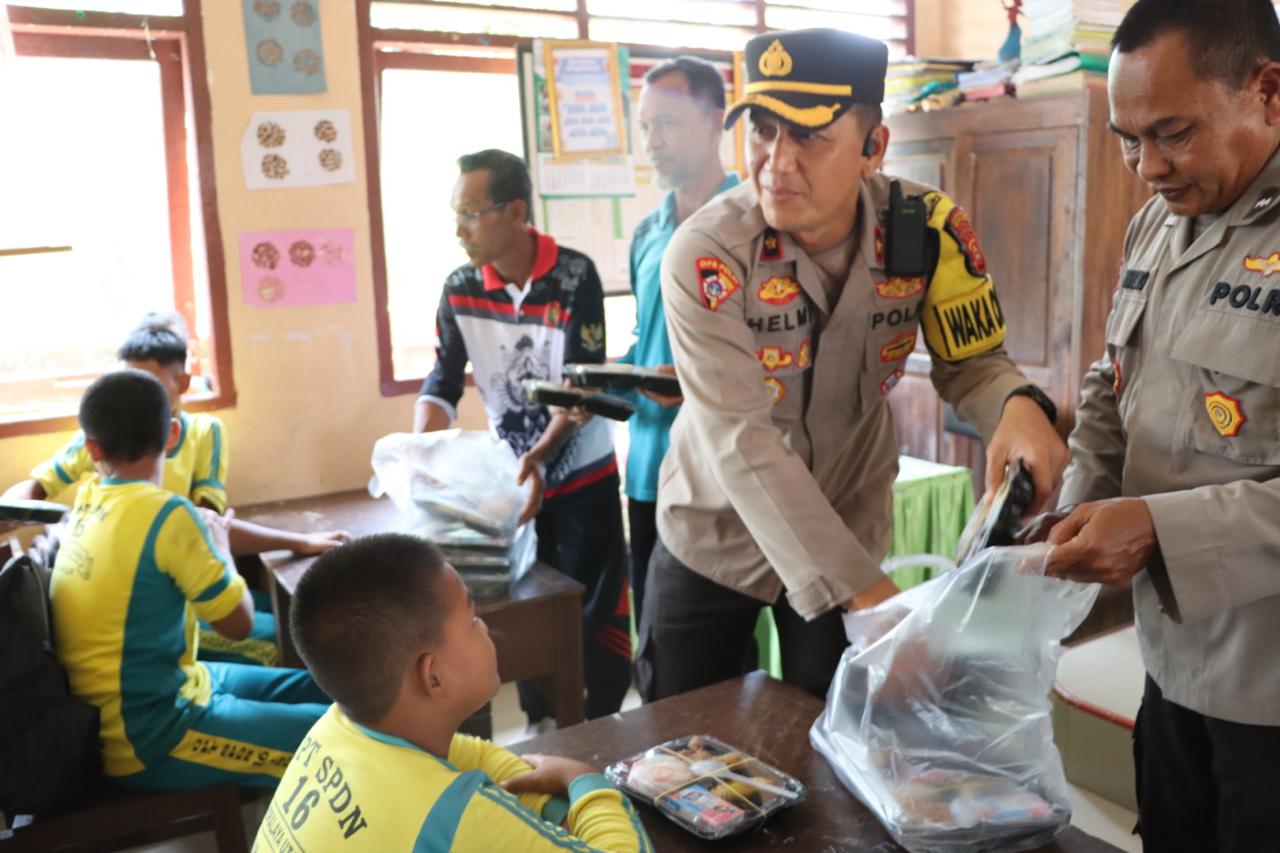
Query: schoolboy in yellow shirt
196, 467
138, 565
391, 633
196, 463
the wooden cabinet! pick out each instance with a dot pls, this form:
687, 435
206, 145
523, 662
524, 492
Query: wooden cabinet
1050, 200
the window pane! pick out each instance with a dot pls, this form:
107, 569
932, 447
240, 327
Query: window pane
872, 26
398, 16
418, 174
704, 11
662, 34
533, 5
88, 172
857, 7
619, 324
132, 7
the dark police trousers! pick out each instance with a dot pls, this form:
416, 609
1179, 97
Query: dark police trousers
1204, 785
695, 632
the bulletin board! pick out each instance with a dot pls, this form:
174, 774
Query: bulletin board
594, 205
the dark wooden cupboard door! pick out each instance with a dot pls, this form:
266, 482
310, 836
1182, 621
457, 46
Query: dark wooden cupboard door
1020, 188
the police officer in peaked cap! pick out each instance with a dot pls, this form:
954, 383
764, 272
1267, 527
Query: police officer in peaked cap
793, 303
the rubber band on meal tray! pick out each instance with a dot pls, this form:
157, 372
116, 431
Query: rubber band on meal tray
706, 786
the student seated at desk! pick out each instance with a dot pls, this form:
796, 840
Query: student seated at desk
195, 467
139, 564
391, 633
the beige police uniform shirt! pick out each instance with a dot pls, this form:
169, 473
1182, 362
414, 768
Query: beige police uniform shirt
1184, 410
783, 457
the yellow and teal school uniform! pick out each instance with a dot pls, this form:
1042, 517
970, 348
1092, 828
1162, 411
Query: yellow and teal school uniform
136, 569
196, 467
352, 788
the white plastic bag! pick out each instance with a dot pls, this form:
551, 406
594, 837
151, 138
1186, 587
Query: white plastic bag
458, 489
938, 717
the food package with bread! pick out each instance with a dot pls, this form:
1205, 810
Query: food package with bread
938, 717
457, 488
706, 786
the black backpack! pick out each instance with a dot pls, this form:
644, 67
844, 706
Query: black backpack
48, 741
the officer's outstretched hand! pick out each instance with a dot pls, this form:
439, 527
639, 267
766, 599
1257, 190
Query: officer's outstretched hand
1025, 433
882, 590
1103, 542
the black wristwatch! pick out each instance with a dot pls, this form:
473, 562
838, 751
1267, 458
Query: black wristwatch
1038, 397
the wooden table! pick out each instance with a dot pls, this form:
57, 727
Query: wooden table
770, 720
536, 625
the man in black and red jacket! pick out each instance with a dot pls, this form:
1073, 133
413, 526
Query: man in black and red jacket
522, 309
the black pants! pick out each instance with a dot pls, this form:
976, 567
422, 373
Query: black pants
1204, 784
642, 518
581, 536
696, 632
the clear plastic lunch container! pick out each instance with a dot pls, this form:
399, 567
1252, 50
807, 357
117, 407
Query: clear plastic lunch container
706, 786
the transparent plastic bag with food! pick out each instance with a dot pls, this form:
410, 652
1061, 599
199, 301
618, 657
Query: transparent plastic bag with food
938, 718
457, 488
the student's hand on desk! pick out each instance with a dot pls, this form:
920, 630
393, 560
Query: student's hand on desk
318, 543
219, 528
551, 774
1103, 542
661, 399
531, 470
1025, 433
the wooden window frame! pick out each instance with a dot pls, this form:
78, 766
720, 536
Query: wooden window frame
177, 45
398, 48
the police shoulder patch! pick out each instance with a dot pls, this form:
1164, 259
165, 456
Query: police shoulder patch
716, 281
959, 227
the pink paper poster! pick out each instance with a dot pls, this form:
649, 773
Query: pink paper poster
297, 267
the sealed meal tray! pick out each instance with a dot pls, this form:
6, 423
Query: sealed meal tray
706, 786
626, 377
961, 810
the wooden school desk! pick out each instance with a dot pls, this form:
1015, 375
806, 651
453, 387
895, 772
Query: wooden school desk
770, 720
536, 625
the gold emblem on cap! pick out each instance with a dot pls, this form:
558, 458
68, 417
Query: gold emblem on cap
775, 62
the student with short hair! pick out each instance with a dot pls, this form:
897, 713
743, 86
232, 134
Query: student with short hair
137, 567
385, 768
195, 467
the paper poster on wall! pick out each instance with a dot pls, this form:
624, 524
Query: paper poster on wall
585, 99
286, 56
281, 268
298, 148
